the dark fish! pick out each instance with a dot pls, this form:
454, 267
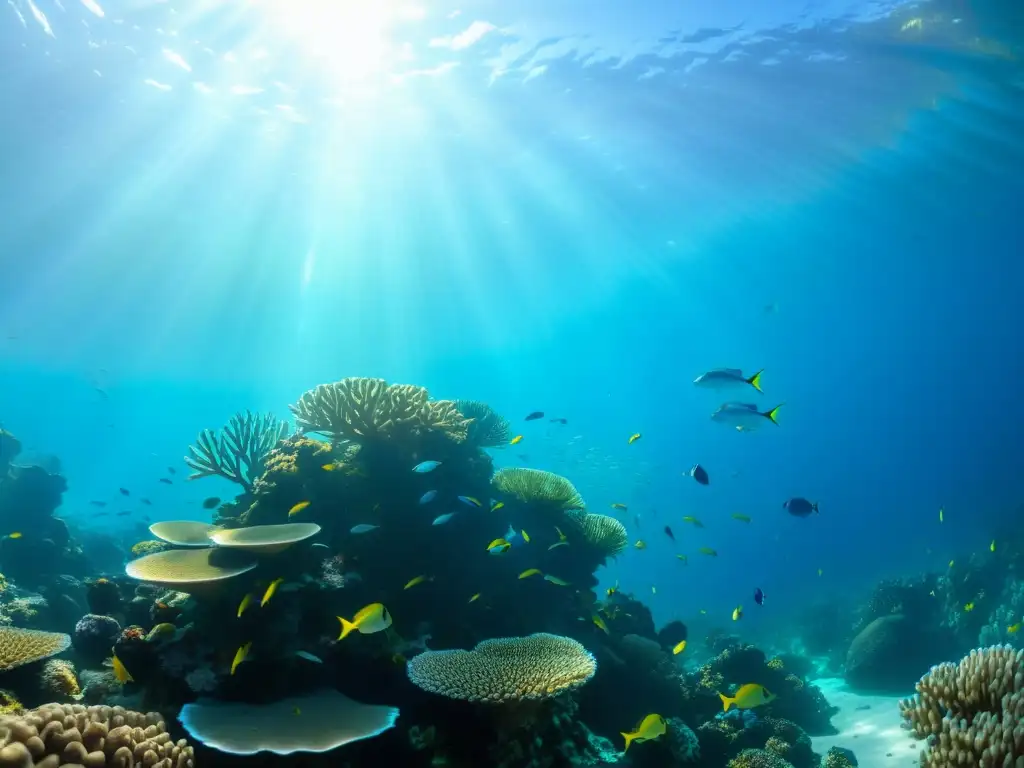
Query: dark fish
147, 502
125, 512
800, 507
101, 514
102, 393
125, 492
172, 470
145, 518
759, 596
699, 474
668, 532
98, 503
559, 421
211, 502
534, 416
165, 481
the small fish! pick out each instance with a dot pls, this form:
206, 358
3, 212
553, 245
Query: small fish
534, 416
417, 580
737, 613
497, 505
240, 655
741, 518
525, 535
101, 514
992, 546
634, 437
246, 602
703, 612
699, 474
1013, 628
428, 497
123, 513
271, 590
210, 502
599, 623
708, 551
498, 546
745, 416
684, 558
679, 647
654, 590
516, 440
125, 492
819, 571
426, 466
693, 521
651, 727
951, 563
942, 513
329, 467
612, 589
363, 528
561, 536
555, 580
759, 596
474, 598
372, 618
559, 421
161, 605
98, 503
668, 532
442, 519
530, 572
619, 505
968, 607
172, 471
14, 535
800, 507
147, 502
728, 378
470, 501
298, 508
747, 697
296, 711
640, 544
559, 544
166, 481
120, 671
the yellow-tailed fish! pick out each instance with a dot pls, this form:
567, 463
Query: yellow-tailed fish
298, 508
599, 623
640, 544
651, 727
240, 655
737, 613
555, 580
474, 598
941, 513
741, 518
561, 536
634, 437
747, 697
1013, 628
618, 505
968, 607
684, 558
373, 618
526, 536
680, 647
417, 580
516, 440
270, 591
498, 546
120, 671
246, 602
530, 572
708, 551
991, 547
559, 544
613, 589
693, 521
498, 505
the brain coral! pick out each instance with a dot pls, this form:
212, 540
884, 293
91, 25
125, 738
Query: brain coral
507, 669
93, 737
534, 486
23, 646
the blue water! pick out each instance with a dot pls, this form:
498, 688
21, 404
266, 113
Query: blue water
573, 210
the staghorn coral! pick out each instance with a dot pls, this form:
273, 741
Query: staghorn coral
486, 429
239, 450
360, 409
91, 737
506, 669
59, 679
602, 532
971, 712
23, 646
534, 486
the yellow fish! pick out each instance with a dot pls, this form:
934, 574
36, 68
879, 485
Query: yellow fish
680, 647
561, 536
240, 655
526, 536
270, 591
1012, 629
618, 505
747, 697
613, 589
968, 607
708, 551
737, 613
684, 558
651, 727
559, 544
497, 506
640, 544
120, 672
298, 508
599, 623
15, 535
530, 572
372, 618
950, 563
991, 547
634, 437
417, 580
329, 467
942, 513
555, 580
498, 546
516, 440
741, 518
696, 523
474, 598
246, 602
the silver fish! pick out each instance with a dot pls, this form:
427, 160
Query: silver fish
744, 416
728, 378
442, 519
363, 528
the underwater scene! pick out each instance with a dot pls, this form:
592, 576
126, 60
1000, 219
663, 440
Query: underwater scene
442, 384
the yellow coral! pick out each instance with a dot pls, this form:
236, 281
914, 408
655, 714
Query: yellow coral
149, 547
505, 670
9, 703
23, 646
58, 678
534, 486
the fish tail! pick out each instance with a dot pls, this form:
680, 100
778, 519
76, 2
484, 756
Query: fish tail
726, 702
346, 628
629, 740
773, 413
814, 507
755, 381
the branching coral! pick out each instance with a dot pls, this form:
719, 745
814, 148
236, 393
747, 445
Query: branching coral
534, 486
602, 532
506, 669
359, 409
971, 712
487, 429
239, 450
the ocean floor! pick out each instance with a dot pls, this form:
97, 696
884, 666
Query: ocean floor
869, 726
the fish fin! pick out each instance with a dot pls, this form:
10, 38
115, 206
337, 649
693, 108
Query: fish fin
773, 413
814, 507
629, 740
346, 628
726, 702
755, 381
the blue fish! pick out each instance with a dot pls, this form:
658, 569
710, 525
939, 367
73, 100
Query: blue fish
426, 466
363, 528
513, 537
470, 501
759, 596
428, 497
442, 519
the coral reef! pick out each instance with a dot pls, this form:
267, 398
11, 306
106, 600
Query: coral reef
239, 450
